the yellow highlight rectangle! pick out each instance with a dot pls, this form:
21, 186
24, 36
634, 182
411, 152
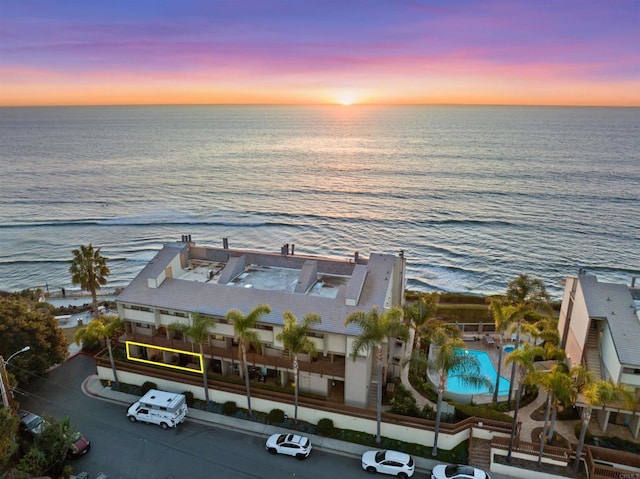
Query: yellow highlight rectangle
162, 348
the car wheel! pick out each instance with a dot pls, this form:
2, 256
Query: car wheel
402, 475
132, 419
272, 450
164, 425
300, 457
371, 470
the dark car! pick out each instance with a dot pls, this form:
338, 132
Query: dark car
33, 425
80, 445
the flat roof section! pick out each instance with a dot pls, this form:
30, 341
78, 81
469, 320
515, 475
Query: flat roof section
266, 278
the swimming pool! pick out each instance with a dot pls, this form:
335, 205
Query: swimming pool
455, 385
508, 348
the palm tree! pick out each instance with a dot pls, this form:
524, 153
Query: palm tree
529, 298
376, 329
522, 359
102, 327
246, 335
89, 270
596, 393
295, 339
501, 319
559, 386
198, 332
448, 357
419, 313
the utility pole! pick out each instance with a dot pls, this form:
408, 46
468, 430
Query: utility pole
5, 387
4, 380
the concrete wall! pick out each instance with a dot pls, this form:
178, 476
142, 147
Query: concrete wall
608, 355
578, 329
357, 377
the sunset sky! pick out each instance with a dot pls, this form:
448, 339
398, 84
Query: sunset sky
539, 52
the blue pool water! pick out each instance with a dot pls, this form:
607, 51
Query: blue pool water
509, 348
455, 385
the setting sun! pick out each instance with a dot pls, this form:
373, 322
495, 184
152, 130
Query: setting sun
346, 100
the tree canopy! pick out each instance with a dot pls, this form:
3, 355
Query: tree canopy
89, 270
28, 323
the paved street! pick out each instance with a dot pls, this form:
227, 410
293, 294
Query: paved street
124, 450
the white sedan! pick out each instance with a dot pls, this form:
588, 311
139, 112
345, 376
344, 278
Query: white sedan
289, 444
388, 462
445, 471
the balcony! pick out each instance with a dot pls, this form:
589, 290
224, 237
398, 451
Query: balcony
320, 365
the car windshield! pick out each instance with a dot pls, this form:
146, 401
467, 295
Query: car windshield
453, 470
35, 424
410, 463
380, 455
281, 438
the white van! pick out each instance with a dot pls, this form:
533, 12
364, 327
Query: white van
159, 407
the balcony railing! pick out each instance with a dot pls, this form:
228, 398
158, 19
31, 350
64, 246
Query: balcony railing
320, 365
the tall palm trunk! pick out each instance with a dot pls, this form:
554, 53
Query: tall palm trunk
296, 376
513, 366
204, 377
245, 367
379, 393
554, 415
586, 417
514, 427
113, 364
543, 436
441, 386
495, 390
94, 303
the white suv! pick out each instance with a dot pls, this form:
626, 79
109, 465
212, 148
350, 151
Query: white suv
388, 462
289, 444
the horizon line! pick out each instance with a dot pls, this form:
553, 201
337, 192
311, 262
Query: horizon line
352, 105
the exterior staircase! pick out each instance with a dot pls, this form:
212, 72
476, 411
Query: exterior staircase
592, 353
480, 453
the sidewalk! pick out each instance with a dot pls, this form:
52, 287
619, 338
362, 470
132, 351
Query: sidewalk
92, 386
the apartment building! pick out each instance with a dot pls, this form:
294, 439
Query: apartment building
185, 278
599, 326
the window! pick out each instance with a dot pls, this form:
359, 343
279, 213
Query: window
264, 327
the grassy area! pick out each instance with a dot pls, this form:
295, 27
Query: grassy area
69, 334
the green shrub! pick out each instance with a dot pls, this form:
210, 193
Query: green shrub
276, 416
403, 402
229, 408
428, 412
189, 397
461, 298
463, 411
325, 427
147, 386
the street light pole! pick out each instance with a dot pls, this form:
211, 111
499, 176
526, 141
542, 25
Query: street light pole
4, 378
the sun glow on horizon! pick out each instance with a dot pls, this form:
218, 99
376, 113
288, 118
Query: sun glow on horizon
346, 99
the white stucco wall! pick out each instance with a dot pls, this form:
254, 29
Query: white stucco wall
578, 329
357, 375
609, 357
344, 421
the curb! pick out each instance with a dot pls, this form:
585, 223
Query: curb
321, 443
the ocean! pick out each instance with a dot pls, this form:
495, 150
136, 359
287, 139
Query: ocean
473, 195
